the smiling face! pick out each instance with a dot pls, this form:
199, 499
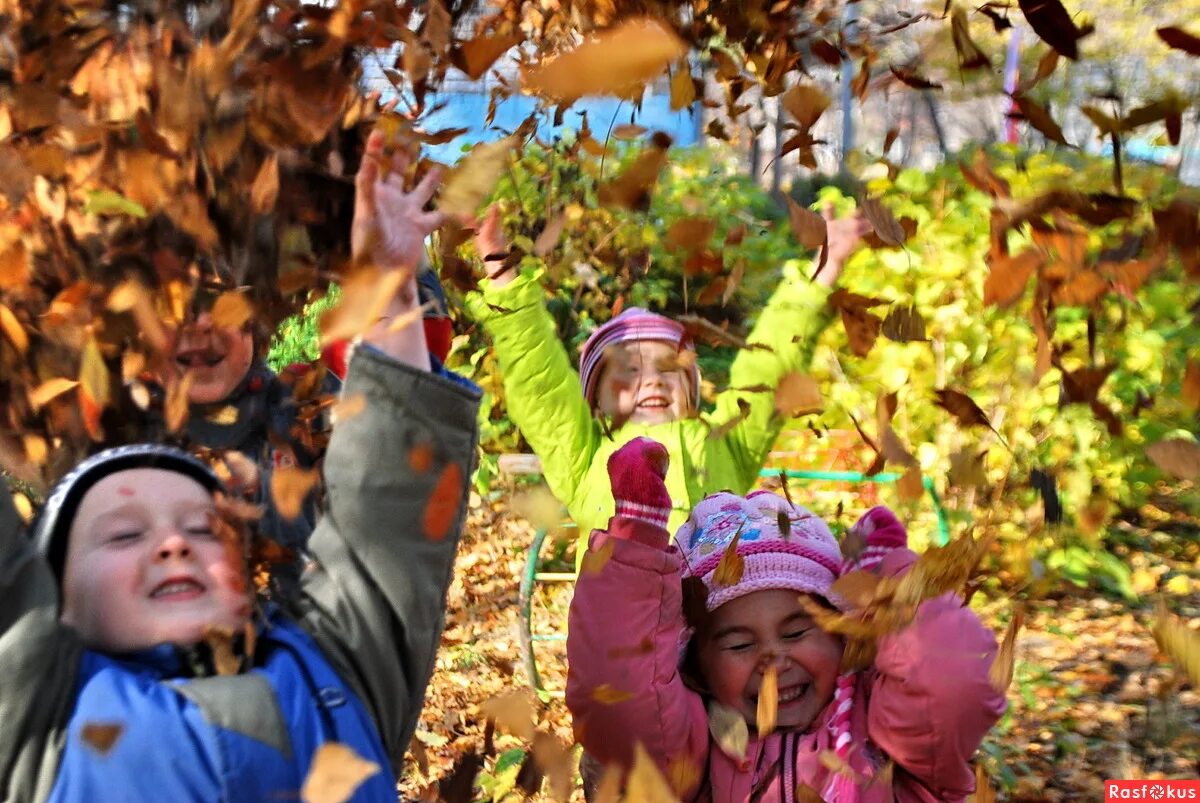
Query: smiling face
746, 635
643, 381
218, 358
144, 566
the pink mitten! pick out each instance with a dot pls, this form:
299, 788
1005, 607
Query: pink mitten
881, 532
637, 471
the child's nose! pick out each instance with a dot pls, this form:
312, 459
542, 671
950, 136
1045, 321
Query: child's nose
173, 545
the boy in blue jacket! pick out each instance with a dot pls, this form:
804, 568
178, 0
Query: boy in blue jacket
104, 613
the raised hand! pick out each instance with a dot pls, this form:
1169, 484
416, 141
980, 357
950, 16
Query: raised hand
844, 236
390, 222
492, 247
638, 472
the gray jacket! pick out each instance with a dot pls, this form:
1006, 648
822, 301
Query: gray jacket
374, 604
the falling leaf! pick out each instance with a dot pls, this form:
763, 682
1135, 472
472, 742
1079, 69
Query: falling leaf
479, 54
961, 406
1179, 39
690, 233
365, 296
768, 701
13, 330
798, 394
441, 511
290, 486
1083, 290
232, 310
459, 786
683, 774
101, 736
131, 296
607, 694
806, 103
620, 61
1008, 276
834, 763
265, 189
882, 221
910, 78
1001, 673
984, 793
335, 774
862, 329
645, 782
1190, 394
15, 266
911, 486
94, 387
220, 643
904, 325
107, 202
472, 181
1037, 116
1053, 24
718, 432
732, 565
683, 87
970, 57
729, 730
1180, 642
809, 228
551, 233
512, 711
1176, 456
628, 131
50, 389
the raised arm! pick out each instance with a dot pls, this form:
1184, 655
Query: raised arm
625, 629
541, 388
39, 660
397, 476
782, 342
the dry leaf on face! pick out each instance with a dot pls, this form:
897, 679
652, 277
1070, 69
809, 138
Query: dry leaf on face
473, 179
336, 772
620, 61
290, 487
1001, 673
512, 712
768, 701
232, 310
447, 498
101, 736
798, 394
50, 389
729, 730
1176, 456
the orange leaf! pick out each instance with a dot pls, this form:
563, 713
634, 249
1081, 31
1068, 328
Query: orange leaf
683, 87
732, 565
176, 406
290, 487
910, 486
336, 772
806, 103
441, 511
768, 701
862, 329
1191, 386
50, 389
512, 711
1001, 673
479, 54
13, 330
265, 189
14, 267
365, 295
101, 736
1006, 281
231, 310
798, 394
606, 694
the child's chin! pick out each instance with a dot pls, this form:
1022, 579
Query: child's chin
652, 415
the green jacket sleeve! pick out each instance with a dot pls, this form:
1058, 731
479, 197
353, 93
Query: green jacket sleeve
39, 660
384, 549
541, 389
788, 328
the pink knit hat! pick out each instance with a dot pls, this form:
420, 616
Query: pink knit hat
806, 558
632, 324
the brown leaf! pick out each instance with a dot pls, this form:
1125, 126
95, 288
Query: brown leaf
551, 234
1179, 39
620, 61
904, 325
13, 330
910, 78
336, 772
883, 221
1001, 673
513, 712
365, 295
961, 406
683, 87
806, 103
232, 310
50, 389
220, 642
768, 701
729, 730
857, 587
441, 511
473, 179
1176, 456
910, 486
984, 793
479, 54
967, 469
1082, 385
1037, 116
862, 330
290, 487
101, 736
970, 57
798, 394
690, 233
1083, 290
1009, 275
631, 190
265, 189
1047, 64
808, 227
1190, 389
1053, 24
15, 266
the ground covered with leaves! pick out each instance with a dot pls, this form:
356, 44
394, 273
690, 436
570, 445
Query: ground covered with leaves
1092, 697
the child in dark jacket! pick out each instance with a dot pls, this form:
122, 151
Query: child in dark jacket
111, 687
925, 703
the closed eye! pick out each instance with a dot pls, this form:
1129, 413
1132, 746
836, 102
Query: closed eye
124, 536
738, 647
796, 634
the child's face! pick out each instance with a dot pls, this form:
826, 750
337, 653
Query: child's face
144, 566
217, 356
746, 635
642, 382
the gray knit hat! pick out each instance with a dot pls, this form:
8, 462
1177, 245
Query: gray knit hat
51, 531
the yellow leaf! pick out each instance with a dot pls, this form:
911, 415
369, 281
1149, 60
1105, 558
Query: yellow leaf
365, 296
43, 393
231, 310
768, 701
94, 393
606, 694
683, 88
729, 730
290, 487
1001, 673
1179, 642
729, 571
1179, 585
594, 560
336, 772
645, 783
512, 711
472, 181
177, 405
683, 775
620, 61
13, 330
132, 297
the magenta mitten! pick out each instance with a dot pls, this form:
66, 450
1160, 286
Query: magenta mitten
882, 533
637, 471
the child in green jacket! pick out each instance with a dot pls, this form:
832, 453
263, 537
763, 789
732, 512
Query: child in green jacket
632, 373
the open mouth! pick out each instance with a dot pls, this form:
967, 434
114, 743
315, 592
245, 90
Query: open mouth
654, 403
199, 358
791, 694
177, 588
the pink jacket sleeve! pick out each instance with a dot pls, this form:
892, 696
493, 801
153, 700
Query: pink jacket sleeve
623, 638
931, 701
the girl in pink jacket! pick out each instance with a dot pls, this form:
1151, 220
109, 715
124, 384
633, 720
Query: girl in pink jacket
925, 704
